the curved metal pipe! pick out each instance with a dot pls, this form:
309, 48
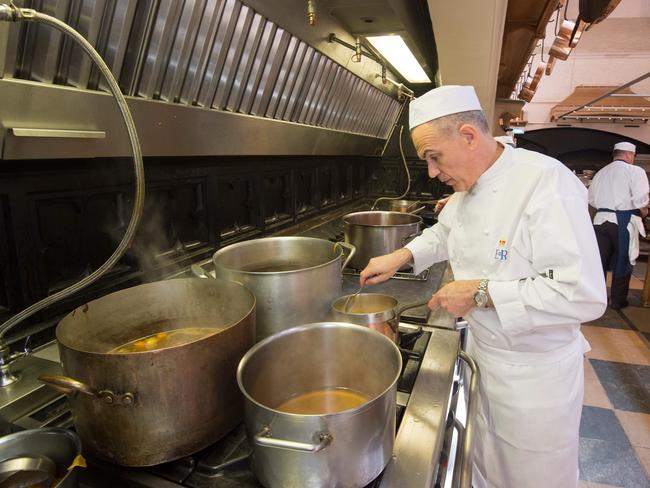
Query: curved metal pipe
406, 168
14, 14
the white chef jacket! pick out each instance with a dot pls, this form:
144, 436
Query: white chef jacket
524, 226
618, 186
621, 186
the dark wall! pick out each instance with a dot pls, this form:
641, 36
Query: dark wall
60, 220
390, 178
577, 148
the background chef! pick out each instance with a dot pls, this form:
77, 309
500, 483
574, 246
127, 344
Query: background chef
619, 192
520, 243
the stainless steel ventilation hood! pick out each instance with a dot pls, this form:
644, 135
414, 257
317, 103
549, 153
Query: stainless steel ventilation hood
203, 77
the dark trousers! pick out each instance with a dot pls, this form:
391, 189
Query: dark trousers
607, 237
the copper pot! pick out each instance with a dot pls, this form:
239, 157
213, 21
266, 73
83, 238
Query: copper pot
539, 72
561, 48
373, 310
526, 94
150, 407
550, 65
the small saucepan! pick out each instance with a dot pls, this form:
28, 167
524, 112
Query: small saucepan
373, 310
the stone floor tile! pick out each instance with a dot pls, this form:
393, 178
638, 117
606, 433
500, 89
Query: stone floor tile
636, 426
611, 463
643, 454
595, 395
601, 423
639, 316
623, 346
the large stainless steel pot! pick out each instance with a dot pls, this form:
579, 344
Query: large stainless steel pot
344, 449
378, 233
294, 279
146, 408
373, 310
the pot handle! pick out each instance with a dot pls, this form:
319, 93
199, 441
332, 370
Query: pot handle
199, 272
264, 439
350, 248
70, 386
408, 238
418, 210
66, 385
403, 309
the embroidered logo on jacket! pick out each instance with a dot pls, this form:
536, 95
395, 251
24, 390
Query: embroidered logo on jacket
501, 254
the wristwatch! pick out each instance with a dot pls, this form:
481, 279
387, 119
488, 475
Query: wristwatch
481, 295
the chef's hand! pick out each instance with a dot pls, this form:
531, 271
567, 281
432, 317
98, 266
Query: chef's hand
381, 268
456, 297
644, 212
440, 204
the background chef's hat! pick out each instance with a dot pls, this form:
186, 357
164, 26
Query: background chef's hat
625, 146
441, 101
509, 140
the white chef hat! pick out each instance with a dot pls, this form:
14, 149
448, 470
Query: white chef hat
508, 140
625, 146
441, 101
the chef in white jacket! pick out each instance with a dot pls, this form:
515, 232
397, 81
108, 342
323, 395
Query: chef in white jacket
520, 243
619, 193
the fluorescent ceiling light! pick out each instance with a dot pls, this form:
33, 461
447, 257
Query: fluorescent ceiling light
397, 53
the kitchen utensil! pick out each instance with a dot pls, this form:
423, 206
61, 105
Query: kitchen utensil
27, 472
294, 279
373, 310
37, 448
376, 233
146, 408
347, 448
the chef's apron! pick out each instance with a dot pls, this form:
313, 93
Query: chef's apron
528, 420
619, 263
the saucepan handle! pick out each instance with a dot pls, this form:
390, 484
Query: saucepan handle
409, 306
264, 439
418, 210
351, 249
67, 385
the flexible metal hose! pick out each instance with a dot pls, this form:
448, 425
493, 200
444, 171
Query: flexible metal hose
408, 174
12, 13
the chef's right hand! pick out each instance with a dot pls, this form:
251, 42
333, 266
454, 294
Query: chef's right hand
381, 268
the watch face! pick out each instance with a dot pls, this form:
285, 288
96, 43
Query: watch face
481, 299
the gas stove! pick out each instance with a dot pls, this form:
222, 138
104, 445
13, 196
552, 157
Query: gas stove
427, 378
428, 397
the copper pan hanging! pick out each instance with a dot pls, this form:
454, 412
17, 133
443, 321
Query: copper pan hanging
561, 48
550, 65
576, 37
539, 72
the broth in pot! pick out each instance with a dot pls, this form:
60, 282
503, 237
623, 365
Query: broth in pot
163, 340
323, 402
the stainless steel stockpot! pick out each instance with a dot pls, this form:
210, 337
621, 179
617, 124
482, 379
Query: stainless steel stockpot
376, 233
346, 449
294, 279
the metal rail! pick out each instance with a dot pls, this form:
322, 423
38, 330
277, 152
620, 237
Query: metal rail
630, 83
462, 477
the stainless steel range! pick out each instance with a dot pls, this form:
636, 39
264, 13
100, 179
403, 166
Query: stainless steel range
428, 449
